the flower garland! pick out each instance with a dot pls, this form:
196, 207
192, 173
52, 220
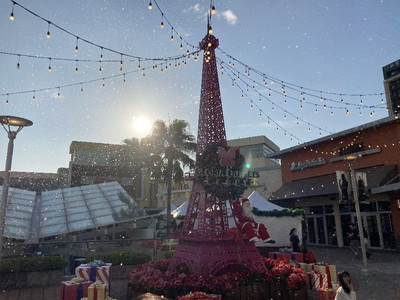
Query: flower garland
225, 185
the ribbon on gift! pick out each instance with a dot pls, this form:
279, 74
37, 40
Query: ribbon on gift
324, 269
97, 291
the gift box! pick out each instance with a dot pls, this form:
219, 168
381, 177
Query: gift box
94, 273
97, 291
316, 281
326, 294
74, 289
329, 270
306, 267
297, 256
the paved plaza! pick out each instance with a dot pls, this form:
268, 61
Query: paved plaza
382, 279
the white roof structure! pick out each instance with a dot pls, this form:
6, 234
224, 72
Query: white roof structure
67, 210
164, 212
181, 210
262, 204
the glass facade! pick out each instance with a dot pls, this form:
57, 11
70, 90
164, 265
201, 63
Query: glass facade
68, 210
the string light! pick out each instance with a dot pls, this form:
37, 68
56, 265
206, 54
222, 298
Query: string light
76, 50
81, 88
100, 68
12, 13
150, 6
172, 34
162, 21
7, 99
59, 93
49, 68
213, 10
48, 35
34, 96
76, 67
101, 55
18, 63
210, 31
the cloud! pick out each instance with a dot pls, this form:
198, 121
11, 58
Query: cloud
195, 8
229, 16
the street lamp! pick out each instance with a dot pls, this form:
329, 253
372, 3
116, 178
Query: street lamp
349, 159
9, 123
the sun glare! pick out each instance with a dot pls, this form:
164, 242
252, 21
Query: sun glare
141, 125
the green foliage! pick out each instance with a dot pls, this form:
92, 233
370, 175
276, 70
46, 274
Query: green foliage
169, 254
29, 264
120, 258
286, 212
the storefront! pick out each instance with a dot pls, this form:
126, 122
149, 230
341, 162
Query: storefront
314, 173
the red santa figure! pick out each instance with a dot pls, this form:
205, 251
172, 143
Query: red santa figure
246, 223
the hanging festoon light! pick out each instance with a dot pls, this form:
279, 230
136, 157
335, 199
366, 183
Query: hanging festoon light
34, 96
49, 68
172, 34
48, 35
12, 13
162, 21
7, 100
76, 50
101, 55
138, 67
213, 10
81, 88
121, 64
210, 30
180, 46
100, 68
76, 67
59, 93
18, 63
150, 6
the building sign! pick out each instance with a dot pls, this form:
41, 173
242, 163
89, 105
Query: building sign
294, 166
354, 148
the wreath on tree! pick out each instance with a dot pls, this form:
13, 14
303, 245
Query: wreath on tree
219, 169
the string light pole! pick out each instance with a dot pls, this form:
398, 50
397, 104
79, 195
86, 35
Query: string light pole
8, 122
349, 159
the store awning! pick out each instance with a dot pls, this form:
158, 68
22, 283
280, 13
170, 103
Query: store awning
327, 185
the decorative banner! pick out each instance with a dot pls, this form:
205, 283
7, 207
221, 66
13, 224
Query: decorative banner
344, 186
362, 185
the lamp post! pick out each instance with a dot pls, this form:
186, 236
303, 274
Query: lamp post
349, 159
8, 122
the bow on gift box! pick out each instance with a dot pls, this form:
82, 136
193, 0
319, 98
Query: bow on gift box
235, 234
97, 263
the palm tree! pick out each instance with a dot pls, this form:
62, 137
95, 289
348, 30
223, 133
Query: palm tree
171, 146
164, 153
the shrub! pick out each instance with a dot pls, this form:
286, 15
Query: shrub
29, 264
120, 258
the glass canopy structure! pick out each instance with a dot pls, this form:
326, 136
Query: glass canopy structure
30, 216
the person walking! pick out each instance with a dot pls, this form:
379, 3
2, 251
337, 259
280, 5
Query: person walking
354, 238
294, 240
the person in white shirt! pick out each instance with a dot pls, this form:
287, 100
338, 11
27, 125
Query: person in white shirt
345, 290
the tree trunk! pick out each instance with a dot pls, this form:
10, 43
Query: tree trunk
169, 194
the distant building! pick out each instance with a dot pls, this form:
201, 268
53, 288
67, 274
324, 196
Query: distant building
310, 181
255, 150
32, 181
391, 76
93, 163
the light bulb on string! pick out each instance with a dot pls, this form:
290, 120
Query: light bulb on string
188, 53
101, 55
150, 6
124, 79
361, 100
76, 50
139, 68
12, 13
34, 96
162, 21
172, 34
347, 112
48, 35
59, 93
325, 107
382, 100
213, 10
76, 67
104, 83
7, 100
210, 31
181, 46
81, 88
18, 63
49, 68
100, 68
321, 99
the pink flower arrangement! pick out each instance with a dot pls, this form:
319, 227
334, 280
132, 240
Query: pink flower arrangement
154, 277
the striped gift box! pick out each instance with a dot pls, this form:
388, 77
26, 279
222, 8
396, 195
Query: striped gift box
94, 274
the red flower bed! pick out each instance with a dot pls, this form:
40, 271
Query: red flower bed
154, 277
